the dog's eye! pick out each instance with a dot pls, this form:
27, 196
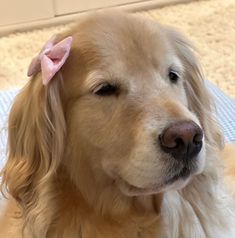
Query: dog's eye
173, 76
106, 89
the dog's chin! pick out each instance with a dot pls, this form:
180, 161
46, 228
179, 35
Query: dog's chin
175, 182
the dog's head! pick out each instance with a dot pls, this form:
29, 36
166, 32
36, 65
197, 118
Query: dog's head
129, 102
141, 108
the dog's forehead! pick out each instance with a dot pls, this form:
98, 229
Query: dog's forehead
132, 40
125, 48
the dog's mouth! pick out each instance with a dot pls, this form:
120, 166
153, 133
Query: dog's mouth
180, 179
183, 174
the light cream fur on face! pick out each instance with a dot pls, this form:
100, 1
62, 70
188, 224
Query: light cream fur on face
143, 108
82, 165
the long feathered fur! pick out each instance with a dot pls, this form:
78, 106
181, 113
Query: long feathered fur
58, 192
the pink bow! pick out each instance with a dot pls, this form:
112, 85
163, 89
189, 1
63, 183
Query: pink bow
51, 58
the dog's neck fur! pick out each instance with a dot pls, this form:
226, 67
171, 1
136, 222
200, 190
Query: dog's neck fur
101, 210
203, 213
114, 214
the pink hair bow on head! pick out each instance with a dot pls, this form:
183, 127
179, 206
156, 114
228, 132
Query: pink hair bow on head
51, 58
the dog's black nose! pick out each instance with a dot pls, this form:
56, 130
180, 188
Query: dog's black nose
183, 140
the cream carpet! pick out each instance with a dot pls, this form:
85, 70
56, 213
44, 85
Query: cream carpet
209, 24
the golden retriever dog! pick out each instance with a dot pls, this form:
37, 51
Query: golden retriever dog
114, 137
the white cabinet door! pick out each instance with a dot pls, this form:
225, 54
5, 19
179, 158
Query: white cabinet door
72, 6
18, 11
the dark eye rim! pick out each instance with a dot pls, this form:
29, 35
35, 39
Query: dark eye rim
173, 76
106, 89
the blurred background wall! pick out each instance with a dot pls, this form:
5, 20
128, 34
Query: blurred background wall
28, 14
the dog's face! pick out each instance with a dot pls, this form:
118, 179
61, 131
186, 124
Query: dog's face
132, 113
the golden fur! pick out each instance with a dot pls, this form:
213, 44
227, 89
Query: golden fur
228, 155
80, 165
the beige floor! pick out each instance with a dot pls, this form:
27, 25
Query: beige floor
209, 24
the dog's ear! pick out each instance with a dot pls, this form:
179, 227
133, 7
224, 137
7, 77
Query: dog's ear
199, 98
36, 135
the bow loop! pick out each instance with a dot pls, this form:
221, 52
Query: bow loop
51, 58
